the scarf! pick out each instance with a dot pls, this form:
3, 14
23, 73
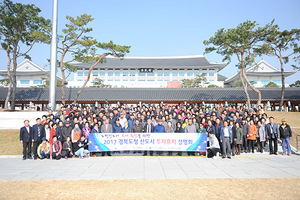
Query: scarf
76, 131
55, 146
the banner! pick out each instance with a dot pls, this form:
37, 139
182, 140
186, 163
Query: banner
147, 141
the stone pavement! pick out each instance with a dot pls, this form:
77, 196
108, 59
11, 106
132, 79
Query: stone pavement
139, 167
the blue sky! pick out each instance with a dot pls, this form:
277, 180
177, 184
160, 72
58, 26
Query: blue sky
167, 27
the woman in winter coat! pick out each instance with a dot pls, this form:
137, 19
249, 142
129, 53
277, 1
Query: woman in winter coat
239, 140
261, 133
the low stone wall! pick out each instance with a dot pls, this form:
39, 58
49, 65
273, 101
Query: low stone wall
15, 120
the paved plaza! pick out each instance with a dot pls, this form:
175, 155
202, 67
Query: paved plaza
139, 167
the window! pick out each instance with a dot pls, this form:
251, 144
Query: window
159, 74
264, 82
86, 73
110, 80
189, 74
254, 82
204, 74
150, 74
117, 80
125, 80
204, 69
79, 73
102, 69
211, 69
181, 74
151, 80
24, 81
132, 73
79, 79
142, 80
37, 82
189, 69
166, 74
86, 68
95, 73
175, 80
211, 80
110, 73
211, 74
142, 74
125, 73
277, 82
197, 74
102, 73
80, 69
117, 74
174, 74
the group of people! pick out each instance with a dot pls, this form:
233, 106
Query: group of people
230, 130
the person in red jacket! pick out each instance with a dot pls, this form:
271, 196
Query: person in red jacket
251, 137
55, 149
52, 133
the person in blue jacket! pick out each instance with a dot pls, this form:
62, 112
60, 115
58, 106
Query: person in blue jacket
159, 128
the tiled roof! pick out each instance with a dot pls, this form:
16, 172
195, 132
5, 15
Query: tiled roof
180, 61
157, 94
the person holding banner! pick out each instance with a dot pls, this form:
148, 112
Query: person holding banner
81, 147
106, 128
179, 129
214, 146
148, 128
170, 130
159, 128
190, 128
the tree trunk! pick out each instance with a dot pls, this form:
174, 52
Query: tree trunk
245, 89
282, 83
88, 78
63, 97
248, 82
14, 81
9, 77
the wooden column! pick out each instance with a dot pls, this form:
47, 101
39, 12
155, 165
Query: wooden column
284, 106
22, 106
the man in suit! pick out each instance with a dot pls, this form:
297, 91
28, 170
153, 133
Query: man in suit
272, 130
148, 128
106, 128
25, 139
190, 128
38, 132
226, 139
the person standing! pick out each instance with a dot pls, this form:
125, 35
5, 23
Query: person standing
272, 131
25, 139
137, 128
285, 135
159, 128
67, 130
38, 132
190, 128
106, 128
245, 130
226, 139
261, 132
239, 136
251, 136
148, 128
59, 131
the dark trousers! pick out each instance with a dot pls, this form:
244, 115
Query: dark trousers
65, 153
221, 146
244, 140
107, 153
274, 141
233, 147
35, 147
251, 145
26, 149
151, 153
54, 156
212, 152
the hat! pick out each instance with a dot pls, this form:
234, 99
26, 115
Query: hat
44, 139
67, 122
283, 120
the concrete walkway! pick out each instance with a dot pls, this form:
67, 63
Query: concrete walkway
138, 167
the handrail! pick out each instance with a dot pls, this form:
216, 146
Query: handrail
297, 140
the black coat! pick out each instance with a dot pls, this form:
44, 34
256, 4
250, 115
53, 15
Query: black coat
151, 129
24, 135
35, 132
59, 133
79, 144
286, 132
